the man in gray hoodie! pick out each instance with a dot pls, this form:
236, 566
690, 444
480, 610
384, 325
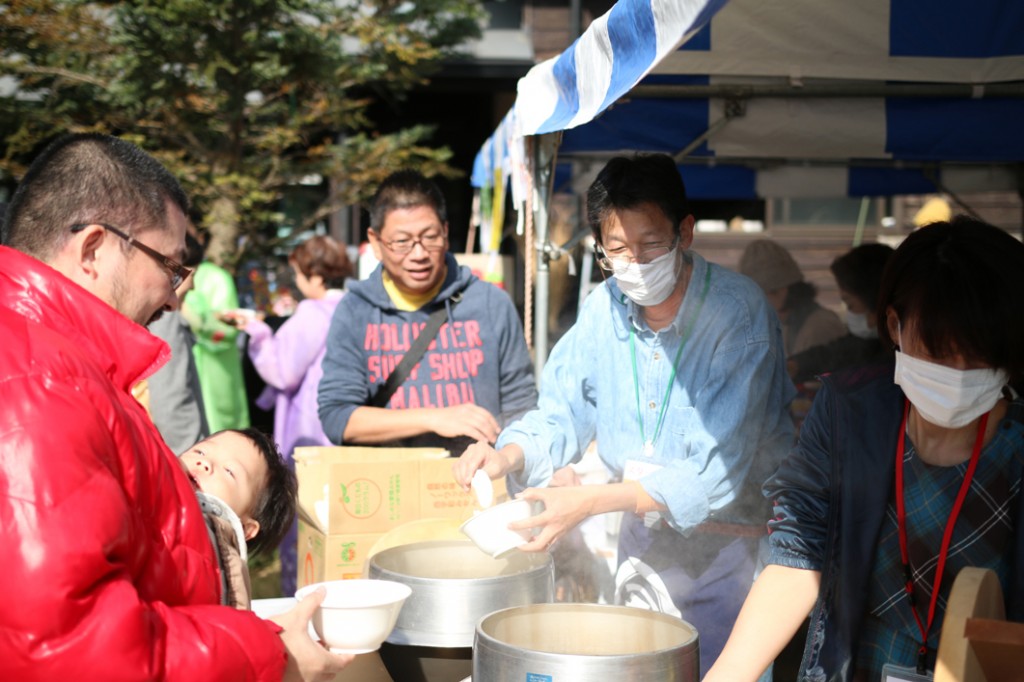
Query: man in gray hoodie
475, 376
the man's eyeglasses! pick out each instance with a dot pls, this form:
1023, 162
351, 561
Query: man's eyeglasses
622, 257
177, 272
432, 241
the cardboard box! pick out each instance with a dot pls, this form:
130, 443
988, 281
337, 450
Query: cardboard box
349, 497
332, 557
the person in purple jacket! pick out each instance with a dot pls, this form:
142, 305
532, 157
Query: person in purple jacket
476, 375
289, 360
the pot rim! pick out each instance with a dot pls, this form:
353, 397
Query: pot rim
533, 563
482, 637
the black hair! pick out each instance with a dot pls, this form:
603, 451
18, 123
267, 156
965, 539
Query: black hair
406, 189
859, 271
194, 251
84, 178
960, 284
275, 506
628, 182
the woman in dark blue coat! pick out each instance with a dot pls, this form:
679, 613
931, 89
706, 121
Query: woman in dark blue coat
904, 473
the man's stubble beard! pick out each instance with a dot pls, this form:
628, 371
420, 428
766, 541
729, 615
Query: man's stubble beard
120, 297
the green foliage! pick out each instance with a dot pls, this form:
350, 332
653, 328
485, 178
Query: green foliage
239, 98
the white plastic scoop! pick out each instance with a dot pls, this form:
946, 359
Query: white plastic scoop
482, 488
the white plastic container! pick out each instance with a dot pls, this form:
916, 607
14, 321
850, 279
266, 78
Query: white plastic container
488, 529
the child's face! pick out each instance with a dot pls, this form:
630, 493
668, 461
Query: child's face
229, 466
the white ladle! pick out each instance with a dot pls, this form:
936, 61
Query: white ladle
482, 488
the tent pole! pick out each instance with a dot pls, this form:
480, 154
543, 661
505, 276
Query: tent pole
544, 151
542, 279
1020, 193
862, 218
733, 109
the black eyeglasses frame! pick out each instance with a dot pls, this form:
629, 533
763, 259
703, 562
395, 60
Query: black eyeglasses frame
441, 244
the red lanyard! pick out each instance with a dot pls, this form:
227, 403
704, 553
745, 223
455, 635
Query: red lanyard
901, 519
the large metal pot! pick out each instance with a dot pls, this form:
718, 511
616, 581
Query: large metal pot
454, 585
583, 643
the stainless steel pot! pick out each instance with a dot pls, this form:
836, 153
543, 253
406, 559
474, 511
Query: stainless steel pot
454, 585
583, 643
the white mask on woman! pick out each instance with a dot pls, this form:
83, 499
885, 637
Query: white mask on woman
945, 396
857, 323
647, 283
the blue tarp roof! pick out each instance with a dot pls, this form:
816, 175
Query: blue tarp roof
893, 142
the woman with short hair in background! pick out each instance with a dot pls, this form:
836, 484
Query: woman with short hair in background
289, 361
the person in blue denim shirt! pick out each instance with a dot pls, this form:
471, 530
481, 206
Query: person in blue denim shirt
675, 367
905, 473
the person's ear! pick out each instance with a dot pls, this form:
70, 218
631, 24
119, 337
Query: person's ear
187, 285
375, 243
250, 527
80, 257
686, 231
892, 323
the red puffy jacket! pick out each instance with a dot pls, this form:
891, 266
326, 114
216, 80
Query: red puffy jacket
106, 569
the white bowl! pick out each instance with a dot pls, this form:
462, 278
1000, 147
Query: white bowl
357, 614
488, 529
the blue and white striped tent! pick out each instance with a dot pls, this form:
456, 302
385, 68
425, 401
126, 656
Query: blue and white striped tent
762, 98
772, 98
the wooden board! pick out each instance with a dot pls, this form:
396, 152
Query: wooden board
976, 594
365, 668
999, 648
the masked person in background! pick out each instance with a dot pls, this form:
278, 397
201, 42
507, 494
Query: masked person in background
675, 367
906, 469
858, 274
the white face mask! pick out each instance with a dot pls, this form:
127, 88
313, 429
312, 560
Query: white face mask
647, 283
945, 396
857, 323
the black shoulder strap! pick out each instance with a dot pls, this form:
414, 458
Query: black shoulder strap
415, 354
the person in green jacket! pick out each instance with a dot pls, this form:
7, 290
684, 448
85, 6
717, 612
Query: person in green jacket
217, 354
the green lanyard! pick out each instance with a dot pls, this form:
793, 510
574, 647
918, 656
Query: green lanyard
687, 331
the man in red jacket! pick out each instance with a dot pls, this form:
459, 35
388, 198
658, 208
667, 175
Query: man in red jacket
107, 569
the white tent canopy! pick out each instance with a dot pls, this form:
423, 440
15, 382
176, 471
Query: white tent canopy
761, 98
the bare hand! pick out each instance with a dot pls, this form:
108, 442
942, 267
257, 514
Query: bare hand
308, 661
479, 455
238, 318
564, 509
465, 420
564, 477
